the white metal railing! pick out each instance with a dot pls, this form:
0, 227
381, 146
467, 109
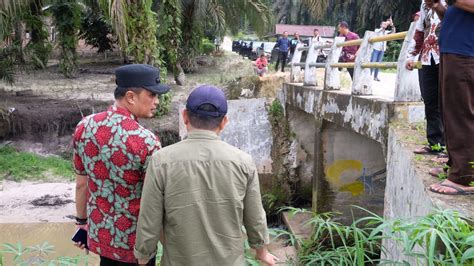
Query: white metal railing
406, 85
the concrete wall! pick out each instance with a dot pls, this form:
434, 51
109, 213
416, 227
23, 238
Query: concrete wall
353, 172
249, 129
304, 129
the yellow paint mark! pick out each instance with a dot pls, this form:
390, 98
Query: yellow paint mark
335, 170
355, 188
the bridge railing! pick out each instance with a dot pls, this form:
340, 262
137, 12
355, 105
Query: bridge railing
406, 84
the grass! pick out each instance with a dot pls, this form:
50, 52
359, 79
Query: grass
419, 157
444, 237
19, 166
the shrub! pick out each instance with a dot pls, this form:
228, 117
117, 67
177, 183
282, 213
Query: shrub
165, 104
207, 47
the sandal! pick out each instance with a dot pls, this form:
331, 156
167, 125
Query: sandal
425, 150
459, 191
442, 158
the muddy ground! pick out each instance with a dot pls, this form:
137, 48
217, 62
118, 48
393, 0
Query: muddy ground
40, 111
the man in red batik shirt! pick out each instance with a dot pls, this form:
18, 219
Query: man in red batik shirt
111, 151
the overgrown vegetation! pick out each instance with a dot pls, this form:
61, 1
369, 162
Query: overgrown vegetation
96, 30
67, 17
282, 188
38, 255
28, 166
165, 104
442, 238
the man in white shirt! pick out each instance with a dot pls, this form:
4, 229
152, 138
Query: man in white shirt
380, 47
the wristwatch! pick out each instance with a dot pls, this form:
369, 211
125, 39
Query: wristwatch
81, 221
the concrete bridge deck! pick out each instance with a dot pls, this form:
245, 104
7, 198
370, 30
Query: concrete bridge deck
359, 152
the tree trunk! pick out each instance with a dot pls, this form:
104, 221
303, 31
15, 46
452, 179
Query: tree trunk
179, 75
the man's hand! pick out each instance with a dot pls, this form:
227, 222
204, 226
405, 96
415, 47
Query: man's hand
410, 65
268, 259
265, 257
142, 262
78, 244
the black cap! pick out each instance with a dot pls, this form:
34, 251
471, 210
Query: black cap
207, 94
140, 76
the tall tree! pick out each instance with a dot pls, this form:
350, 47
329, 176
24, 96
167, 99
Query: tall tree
67, 18
224, 15
135, 24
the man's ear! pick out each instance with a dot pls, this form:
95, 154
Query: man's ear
130, 97
223, 123
185, 117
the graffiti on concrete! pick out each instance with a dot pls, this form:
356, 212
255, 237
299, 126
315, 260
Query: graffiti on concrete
350, 176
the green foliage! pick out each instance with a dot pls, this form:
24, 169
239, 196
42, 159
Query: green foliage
445, 238
419, 157
37, 255
141, 30
96, 30
7, 71
438, 148
361, 15
23, 165
39, 46
169, 33
273, 200
335, 244
392, 52
165, 104
276, 111
207, 47
67, 17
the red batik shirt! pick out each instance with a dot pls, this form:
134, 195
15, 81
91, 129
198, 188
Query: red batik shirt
112, 150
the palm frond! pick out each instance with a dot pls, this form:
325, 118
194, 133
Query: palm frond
318, 8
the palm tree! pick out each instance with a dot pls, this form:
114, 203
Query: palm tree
224, 15
135, 24
363, 14
10, 51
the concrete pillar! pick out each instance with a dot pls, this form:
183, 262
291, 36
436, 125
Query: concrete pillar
296, 69
310, 72
407, 87
362, 81
332, 80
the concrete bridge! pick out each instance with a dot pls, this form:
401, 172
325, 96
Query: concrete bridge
352, 147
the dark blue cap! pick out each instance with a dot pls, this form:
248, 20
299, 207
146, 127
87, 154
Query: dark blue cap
140, 76
207, 94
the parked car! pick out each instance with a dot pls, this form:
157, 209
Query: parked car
266, 48
253, 55
246, 48
236, 45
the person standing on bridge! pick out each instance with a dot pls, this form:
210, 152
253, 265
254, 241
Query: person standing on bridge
294, 42
380, 47
426, 48
111, 151
457, 94
200, 192
348, 53
283, 44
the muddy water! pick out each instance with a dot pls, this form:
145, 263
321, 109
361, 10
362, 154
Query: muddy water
31, 234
